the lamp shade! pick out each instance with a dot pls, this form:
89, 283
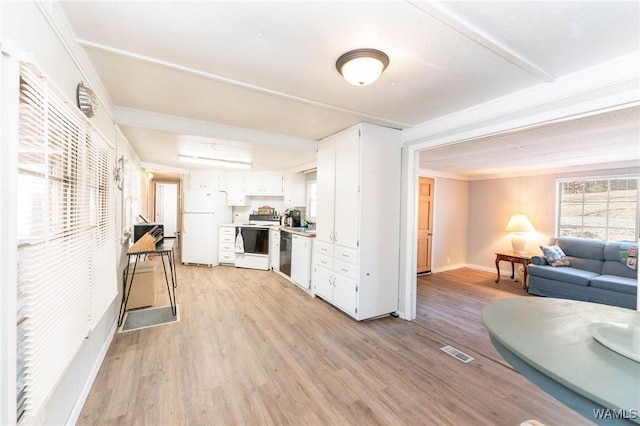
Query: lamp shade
519, 223
362, 67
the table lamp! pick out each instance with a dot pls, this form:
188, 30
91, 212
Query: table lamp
519, 225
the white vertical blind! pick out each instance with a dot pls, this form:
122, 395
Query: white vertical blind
66, 237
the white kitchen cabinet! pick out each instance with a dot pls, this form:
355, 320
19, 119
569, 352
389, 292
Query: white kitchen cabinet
301, 261
357, 243
206, 180
274, 249
337, 289
326, 178
263, 183
323, 282
295, 190
235, 190
227, 241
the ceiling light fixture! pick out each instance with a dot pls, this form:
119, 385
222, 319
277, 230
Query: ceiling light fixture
214, 162
362, 67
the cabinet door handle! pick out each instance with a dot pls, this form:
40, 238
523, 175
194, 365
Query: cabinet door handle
344, 270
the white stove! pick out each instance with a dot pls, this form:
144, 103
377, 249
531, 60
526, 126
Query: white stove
264, 220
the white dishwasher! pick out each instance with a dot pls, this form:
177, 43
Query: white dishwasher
301, 261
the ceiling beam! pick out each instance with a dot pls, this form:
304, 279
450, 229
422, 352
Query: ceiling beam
605, 87
187, 126
479, 37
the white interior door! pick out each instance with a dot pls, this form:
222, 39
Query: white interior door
166, 207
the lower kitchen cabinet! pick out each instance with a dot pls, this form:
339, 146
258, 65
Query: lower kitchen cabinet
336, 289
274, 249
226, 253
301, 261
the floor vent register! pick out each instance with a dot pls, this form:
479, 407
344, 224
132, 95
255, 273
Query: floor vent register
460, 356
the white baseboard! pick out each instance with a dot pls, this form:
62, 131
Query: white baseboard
489, 269
84, 393
447, 268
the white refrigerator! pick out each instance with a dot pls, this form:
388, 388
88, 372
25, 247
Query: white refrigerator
202, 213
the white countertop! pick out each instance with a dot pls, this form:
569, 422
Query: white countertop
305, 232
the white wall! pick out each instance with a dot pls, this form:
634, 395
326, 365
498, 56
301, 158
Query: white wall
27, 30
450, 218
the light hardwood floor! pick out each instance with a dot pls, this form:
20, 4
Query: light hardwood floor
251, 348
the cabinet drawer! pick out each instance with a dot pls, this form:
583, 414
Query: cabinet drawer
227, 238
324, 261
323, 248
346, 254
347, 269
227, 247
227, 257
227, 230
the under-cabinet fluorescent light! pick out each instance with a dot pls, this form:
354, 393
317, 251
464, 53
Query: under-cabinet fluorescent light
214, 162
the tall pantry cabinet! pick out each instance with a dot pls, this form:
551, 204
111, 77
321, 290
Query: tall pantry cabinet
358, 221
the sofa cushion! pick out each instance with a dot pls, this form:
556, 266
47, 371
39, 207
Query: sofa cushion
615, 283
554, 255
585, 248
590, 265
568, 275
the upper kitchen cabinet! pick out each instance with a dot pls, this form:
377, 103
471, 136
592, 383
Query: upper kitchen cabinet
206, 180
235, 190
338, 188
295, 190
358, 220
263, 183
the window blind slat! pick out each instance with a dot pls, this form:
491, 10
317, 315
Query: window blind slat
66, 237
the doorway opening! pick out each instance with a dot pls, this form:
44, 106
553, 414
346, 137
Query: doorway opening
166, 207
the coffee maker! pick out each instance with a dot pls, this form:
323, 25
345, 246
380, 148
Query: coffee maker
292, 218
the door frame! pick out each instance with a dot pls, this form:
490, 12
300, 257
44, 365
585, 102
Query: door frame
151, 200
177, 201
411, 173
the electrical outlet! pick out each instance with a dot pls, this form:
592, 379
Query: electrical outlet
448, 260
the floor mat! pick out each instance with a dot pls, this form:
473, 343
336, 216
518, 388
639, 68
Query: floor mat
150, 317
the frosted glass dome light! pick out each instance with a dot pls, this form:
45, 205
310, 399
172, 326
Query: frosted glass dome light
362, 67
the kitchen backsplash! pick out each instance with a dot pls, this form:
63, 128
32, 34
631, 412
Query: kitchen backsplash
241, 213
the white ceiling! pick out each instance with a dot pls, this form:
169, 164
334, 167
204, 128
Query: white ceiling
258, 78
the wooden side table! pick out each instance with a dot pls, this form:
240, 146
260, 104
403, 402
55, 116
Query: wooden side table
513, 257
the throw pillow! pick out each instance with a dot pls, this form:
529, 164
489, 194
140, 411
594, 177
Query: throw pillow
555, 256
629, 255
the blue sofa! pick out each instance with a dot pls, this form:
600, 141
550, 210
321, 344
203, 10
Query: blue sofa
595, 273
